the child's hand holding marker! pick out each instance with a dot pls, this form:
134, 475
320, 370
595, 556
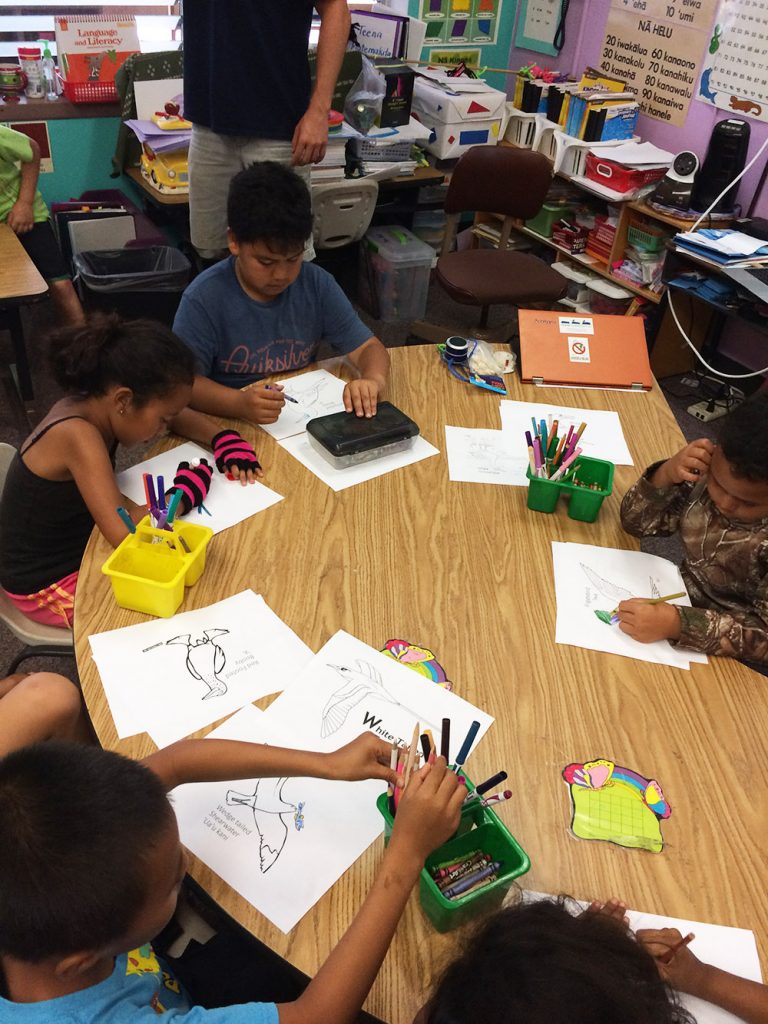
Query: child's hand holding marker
366, 757
262, 403
686, 466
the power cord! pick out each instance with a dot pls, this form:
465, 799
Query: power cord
702, 360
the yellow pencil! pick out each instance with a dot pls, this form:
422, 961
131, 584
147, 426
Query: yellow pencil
657, 600
411, 756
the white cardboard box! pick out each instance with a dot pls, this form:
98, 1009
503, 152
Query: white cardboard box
461, 113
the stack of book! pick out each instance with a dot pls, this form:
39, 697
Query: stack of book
596, 109
723, 247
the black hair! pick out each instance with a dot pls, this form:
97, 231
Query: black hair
76, 823
270, 203
743, 438
105, 351
539, 963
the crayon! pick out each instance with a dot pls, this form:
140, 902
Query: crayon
462, 871
469, 881
443, 870
466, 746
669, 955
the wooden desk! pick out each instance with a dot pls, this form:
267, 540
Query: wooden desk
466, 569
159, 198
20, 284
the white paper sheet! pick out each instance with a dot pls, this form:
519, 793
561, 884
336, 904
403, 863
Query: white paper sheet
603, 438
589, 578
731, 949
484, 457
348, 686
170, 677
228, 501
152, 96
317, 393
282, 863
339, 479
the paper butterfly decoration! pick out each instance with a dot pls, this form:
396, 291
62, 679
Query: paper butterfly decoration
616, 804
420, 659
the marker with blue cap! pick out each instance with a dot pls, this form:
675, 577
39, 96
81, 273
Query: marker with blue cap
466, 746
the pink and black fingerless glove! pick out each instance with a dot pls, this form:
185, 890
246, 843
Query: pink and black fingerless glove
194, 482
231, 451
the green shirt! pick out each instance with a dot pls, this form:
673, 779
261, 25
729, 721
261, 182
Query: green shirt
15, 147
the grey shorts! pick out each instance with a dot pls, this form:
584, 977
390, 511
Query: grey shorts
213, 161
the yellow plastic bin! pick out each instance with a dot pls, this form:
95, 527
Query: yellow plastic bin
149, 575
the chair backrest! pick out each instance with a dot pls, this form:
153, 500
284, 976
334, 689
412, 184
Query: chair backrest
499, 179
7, 453
342, 211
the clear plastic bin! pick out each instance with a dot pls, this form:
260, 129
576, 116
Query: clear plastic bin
608, 298
394, 273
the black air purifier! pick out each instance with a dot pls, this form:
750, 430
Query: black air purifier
725, 159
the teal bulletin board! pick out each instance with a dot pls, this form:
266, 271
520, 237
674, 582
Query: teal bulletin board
469, 25
538, 24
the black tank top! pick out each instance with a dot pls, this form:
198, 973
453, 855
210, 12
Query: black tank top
44, 525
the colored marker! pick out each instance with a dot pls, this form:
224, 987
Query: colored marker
571, 458
126, 519
470, 880
426, 746
173, 504
149, 485
668, 956
288, 398
528, 439
445, 740
466, 745
490, 783
160, 493
146, 478
497, 798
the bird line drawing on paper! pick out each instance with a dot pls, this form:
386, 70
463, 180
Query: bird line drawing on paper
613, 591
312, 399
487, 457
271, 814
364, 681
205, 659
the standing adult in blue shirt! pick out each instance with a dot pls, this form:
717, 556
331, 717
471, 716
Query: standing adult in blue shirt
248, 92
265, 310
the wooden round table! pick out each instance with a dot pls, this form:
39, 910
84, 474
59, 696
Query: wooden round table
466, 570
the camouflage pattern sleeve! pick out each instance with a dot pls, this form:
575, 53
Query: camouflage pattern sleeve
648, 511
734, 634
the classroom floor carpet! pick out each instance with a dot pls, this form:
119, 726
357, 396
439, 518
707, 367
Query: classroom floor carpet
16, 424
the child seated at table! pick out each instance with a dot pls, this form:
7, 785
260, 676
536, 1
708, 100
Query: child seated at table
264, 310
91, 865
545, 962
124, 383
23, 210
716, 498
38, 706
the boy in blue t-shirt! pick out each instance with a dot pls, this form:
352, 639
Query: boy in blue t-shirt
264, 311
91, 866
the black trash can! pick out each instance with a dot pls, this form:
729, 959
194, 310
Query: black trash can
140, 282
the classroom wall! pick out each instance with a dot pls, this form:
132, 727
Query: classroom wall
82, 151
585, 28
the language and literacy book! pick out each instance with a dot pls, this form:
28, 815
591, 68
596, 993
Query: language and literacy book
92, 48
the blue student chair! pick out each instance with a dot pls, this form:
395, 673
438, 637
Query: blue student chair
38, 640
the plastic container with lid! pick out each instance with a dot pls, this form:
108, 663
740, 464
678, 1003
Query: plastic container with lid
577, 281
547, 217
394, 273
606, 297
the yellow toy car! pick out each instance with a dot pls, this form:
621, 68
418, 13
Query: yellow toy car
166, 172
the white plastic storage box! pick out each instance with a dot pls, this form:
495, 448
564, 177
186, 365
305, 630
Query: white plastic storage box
577, 281
461, 114
606, 297
394, 273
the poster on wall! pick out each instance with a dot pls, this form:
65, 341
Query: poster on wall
458, 22
453, 57
657, 48
539, 25
735, 75
38, 130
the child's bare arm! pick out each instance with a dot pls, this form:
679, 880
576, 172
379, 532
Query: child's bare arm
21, 215
748, 1000
427, 816
222, 760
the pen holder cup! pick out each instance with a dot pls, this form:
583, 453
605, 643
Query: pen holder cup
584, 502
485, 833
148, 575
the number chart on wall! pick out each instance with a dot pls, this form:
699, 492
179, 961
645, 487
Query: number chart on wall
657, 48
735, 75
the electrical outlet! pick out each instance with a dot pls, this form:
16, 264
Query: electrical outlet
702, 411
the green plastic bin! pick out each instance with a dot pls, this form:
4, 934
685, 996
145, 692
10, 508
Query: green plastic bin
584, 504
480, 829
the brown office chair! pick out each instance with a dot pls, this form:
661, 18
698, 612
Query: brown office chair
494, 179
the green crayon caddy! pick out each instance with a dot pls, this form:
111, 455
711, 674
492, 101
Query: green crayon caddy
148, 575
583, 502
481, 829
